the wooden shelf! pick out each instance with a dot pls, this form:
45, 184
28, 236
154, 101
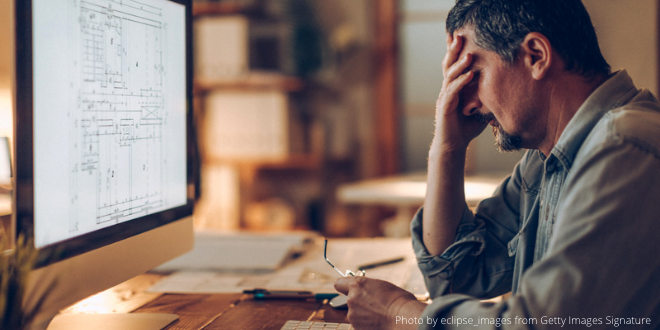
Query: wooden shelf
249, 168
291, 162
209, 8
251, 81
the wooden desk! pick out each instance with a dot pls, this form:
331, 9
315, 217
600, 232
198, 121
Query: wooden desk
207, 311
240, 311
236, 311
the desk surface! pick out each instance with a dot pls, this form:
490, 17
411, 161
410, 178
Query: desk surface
206, 311
235, 310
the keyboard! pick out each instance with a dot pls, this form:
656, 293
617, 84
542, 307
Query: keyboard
315, 325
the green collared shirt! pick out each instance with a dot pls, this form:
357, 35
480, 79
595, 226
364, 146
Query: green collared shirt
574, 235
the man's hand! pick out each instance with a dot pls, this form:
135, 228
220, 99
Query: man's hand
376, 304
455, 128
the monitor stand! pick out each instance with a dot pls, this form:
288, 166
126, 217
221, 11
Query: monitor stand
133, 321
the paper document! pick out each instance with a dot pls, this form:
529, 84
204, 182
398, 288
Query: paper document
239, 252
310, 271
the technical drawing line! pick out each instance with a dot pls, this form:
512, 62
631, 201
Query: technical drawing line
119, 119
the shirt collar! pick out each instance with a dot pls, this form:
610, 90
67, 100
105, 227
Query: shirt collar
613, 93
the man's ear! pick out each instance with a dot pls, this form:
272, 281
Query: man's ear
537, 54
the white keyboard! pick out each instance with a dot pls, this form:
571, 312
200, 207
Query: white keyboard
315, 325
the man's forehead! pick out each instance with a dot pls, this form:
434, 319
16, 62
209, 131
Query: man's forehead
479, 54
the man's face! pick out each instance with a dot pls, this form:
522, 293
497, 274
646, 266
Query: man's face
500, 94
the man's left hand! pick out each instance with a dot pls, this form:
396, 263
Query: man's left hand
376, 304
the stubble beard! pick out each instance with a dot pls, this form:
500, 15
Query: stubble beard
504, 141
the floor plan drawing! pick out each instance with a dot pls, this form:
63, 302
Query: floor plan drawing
119, 114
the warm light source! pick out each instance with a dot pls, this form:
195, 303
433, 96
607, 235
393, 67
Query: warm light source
6, 116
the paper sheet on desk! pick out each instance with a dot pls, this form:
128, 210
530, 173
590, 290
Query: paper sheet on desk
310, 271
239, 252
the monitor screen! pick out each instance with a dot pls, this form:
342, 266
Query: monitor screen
109, 113
104, 156
104, 147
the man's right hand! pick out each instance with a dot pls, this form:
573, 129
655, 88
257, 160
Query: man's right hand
455, 128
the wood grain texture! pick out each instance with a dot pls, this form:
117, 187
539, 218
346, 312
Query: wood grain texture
238, 311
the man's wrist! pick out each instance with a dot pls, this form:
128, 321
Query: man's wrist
447, 151
403, 310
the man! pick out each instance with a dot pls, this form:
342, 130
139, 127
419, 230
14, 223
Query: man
574, 232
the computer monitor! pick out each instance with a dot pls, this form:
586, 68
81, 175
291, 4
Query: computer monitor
104, 168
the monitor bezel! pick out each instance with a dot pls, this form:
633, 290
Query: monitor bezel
24, 154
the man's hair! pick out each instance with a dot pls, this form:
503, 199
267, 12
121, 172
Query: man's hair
500, 26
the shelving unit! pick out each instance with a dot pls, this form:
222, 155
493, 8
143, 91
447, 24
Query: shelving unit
252, 179
215, 8
251, 81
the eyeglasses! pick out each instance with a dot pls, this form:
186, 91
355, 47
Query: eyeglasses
360, 272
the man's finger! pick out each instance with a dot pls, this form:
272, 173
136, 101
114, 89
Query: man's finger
453, 50
449, 41
341, 284
458, 68
457, 84
449, 98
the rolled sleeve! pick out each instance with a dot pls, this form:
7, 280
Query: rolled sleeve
438, 269
479, 262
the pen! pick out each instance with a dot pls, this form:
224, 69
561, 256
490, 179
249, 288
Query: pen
381, 263
284, 294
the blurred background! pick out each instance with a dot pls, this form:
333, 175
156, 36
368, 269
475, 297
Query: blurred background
318, 115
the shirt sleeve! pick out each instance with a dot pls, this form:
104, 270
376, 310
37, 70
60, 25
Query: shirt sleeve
602, 266
478, 263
